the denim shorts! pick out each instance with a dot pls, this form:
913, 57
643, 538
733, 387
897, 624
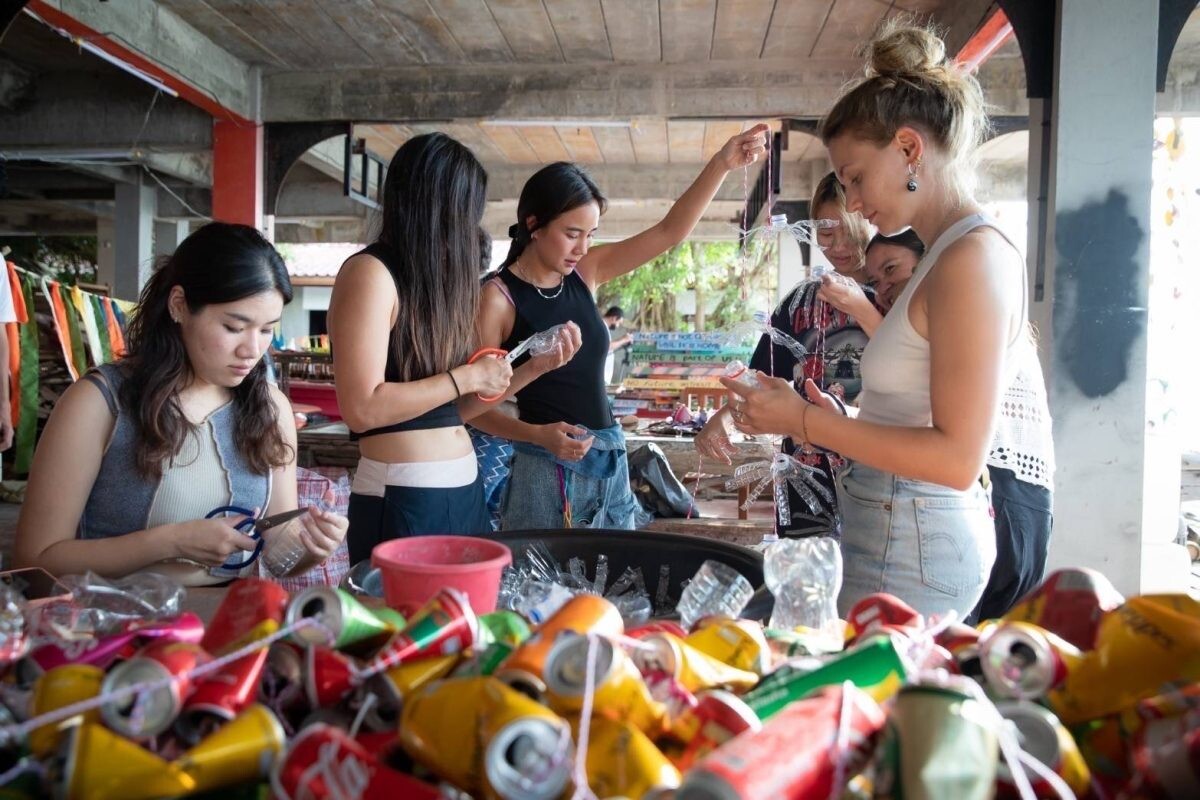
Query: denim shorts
929, 545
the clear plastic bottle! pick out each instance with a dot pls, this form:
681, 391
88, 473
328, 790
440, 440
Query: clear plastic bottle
283, 548
805, 575
716, 589
538, 600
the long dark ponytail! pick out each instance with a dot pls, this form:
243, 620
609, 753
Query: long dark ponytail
433, 201
552, 191
219, 263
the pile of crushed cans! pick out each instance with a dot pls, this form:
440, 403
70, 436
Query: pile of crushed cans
1077, 692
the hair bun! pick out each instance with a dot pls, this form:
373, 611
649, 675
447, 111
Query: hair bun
905, 51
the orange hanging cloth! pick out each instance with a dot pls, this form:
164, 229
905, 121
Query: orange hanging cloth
12, 331
116, 338
61, 326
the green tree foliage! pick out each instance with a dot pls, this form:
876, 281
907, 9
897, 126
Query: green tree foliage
68, 259
710, 269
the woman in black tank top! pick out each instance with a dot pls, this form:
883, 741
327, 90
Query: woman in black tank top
570, 467
402, 330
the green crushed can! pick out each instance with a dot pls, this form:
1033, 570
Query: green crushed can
875, 666
504, 627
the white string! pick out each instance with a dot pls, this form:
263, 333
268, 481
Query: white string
583, 790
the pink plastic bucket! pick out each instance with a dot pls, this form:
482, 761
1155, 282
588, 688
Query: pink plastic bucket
414, 568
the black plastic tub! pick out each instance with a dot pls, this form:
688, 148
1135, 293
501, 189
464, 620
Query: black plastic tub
649, 551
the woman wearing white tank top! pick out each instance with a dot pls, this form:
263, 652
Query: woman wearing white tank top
916, 521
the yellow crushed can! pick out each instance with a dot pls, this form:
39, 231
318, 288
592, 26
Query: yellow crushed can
240, 751
623, 762
694, 670
738, 643
102, 765
390, 688
1147, 642
620, 691
527, 749
438, 728
58, 688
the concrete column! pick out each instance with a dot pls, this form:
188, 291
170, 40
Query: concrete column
168, 233
1117, 501
237, 192
106, 251
134, 227
791, 266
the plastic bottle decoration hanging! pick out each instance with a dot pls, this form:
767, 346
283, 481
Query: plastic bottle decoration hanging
759, 242
761, 325
736, 370
782, 471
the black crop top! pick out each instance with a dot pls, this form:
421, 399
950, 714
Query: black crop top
575, 392
443, 416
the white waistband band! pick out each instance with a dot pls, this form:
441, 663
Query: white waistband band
372, 477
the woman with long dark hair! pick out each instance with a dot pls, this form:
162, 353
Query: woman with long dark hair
402, 327
136, 453
570, 468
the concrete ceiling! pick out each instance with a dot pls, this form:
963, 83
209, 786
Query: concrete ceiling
640, 91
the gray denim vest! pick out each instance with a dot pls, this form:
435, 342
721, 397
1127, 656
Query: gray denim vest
121, 498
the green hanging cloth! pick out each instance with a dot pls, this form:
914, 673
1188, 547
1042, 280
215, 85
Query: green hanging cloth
73, 323
98, 310
26, 433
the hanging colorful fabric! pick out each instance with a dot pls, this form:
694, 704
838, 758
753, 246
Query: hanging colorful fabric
97, 304
87, 318
77, 347
62, 328
12, 332
116, 335
26, 429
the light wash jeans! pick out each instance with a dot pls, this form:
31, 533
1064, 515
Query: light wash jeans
929, 545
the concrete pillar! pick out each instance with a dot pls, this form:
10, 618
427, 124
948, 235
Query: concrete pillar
791, 266
134, 227
168, 233
106, 251
1117, 500
237, 192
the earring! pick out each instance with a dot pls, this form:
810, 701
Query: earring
912, 177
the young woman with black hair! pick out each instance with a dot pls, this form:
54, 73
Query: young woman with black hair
136, 453
570, 468
402, 328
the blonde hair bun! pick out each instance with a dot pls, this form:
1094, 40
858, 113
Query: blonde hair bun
906, 51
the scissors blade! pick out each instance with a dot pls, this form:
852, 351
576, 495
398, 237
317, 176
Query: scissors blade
266, 523
520, 349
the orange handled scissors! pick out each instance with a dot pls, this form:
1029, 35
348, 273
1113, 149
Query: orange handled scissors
507, 355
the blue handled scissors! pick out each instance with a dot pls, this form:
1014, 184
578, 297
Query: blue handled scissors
253, 528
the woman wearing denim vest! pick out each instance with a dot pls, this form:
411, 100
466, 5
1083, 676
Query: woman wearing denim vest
139, 451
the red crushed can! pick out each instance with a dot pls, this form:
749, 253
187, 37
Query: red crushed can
145, 714
328, 676
324, 763
717, 717
252, 608
793, 756
444, 626
658, 626
882, 611
1070, 604
221, 696
1166, 757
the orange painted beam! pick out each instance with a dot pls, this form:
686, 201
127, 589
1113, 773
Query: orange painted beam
237, 189
186, 91
991, 36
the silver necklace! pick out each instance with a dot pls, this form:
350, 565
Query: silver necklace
538, 289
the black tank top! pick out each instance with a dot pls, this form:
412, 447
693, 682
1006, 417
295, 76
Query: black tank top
443, 416
575, 392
